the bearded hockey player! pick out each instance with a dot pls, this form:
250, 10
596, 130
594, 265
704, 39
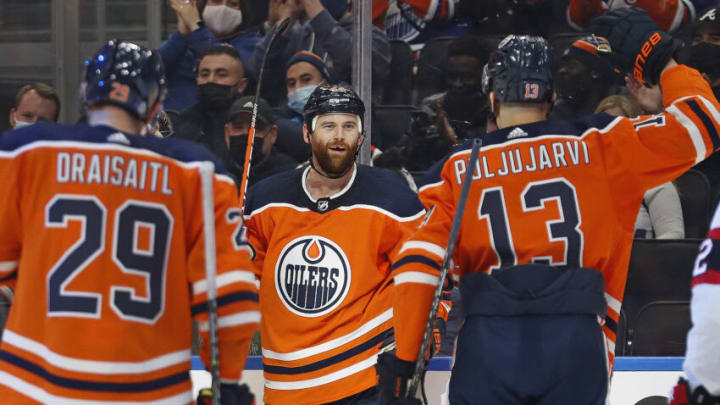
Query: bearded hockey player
101, 232
323, 236
545, 240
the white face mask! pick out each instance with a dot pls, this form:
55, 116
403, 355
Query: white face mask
222, 20
19, 124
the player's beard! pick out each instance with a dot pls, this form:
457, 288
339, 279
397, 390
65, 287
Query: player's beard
335, 164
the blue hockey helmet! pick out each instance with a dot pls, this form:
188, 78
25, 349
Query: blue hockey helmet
126, 75
333, 100
520, 70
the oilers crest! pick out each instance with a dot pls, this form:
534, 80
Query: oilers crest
312, 276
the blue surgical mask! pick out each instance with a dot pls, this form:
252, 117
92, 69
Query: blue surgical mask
19, 124
298, 98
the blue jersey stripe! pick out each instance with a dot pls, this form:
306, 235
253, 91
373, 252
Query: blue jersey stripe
386, 334
707, 122
100, 386
226, 300
415, 259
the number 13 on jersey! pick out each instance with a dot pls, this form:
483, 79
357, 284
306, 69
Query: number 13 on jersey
493, 209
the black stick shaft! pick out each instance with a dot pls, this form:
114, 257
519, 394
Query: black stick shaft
454, 231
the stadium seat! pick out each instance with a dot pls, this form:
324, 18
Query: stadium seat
660, 270
694, 191
431, 68
661, 329
393, 121
398, 87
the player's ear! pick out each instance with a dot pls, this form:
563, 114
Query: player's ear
306, 134
12, 117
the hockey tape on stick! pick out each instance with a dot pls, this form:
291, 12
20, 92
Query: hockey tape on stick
251, 134
207, 170
454, 231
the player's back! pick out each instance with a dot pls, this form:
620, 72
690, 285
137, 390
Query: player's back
103, 225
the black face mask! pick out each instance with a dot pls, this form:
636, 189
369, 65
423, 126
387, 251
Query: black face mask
238, 146
215, 97
704, 57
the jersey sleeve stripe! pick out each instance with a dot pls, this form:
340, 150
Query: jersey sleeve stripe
44, 397
330, 344
226, 300
8, 266
426, 246
416, 277
224, 279
693, 132
7, 292
611, 324
613, 303
319, 365
326, 379
706, 121
92, 366
97, 386
709, 277
240, 318
415, 259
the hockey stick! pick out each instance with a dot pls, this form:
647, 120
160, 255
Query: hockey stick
251, 134
454, 231
207, 170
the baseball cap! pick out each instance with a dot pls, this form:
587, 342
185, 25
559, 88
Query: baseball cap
244, 105
588, 51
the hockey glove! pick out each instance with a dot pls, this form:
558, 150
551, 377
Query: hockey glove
393, 376
230, 394
682, 395
638, 45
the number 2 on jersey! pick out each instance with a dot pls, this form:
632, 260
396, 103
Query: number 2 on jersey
493, 209
149, 263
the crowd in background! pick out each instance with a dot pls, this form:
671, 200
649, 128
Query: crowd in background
427, 75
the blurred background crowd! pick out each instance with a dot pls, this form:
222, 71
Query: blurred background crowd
427, 63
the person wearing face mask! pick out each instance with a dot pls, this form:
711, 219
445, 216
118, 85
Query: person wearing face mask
304, 72
583, 79
463, 103
203, 24
34, 102
220, 80
325, 28
704, 55
265, 160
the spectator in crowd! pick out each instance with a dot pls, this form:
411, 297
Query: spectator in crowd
220, 80
35, 102
583, 78
533, 17
669, 15
660, 215
464, 104
704, 55
304, 72
203, 24
416, 21
324, 27
265, 160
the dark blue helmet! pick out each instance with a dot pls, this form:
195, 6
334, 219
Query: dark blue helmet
126, 75
335, 99
520, 70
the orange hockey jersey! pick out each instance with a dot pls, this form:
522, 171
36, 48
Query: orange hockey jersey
325, 288
555, 193
102, 234
668, 14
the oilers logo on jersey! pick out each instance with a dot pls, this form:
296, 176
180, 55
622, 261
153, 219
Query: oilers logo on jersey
312, 276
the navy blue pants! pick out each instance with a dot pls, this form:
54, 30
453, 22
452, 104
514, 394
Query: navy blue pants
530, 360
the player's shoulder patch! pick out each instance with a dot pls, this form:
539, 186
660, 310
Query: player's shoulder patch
283, 187
383, 189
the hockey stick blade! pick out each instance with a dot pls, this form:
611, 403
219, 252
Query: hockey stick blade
251, 133
454, 231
